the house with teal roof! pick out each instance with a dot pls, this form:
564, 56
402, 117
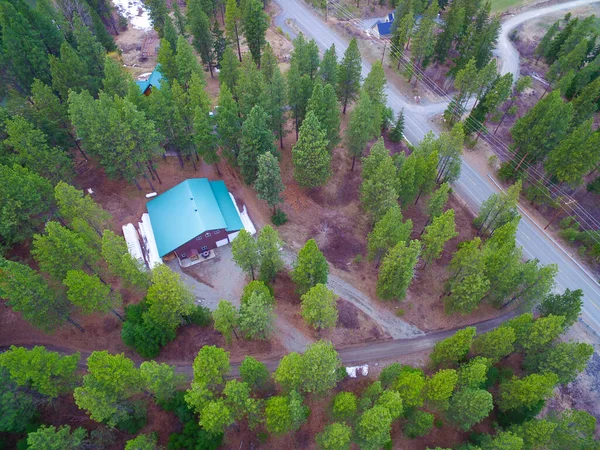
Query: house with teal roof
193, 218
153, 81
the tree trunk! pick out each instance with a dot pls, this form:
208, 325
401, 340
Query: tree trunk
75, 324
252, 272
418, 197
353, 161
193, 163
119, 316
74, 139
237, 39
345, 105
210, 68
179, 158
218, 170
137, 185
501, 120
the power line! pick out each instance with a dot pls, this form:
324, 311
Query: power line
474, 125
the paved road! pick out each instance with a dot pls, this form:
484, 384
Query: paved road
506, 52
472, 187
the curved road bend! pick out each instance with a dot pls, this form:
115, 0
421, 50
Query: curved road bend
350, 356
473, 188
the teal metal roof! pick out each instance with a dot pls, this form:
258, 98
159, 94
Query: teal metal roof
153, 80
189, 209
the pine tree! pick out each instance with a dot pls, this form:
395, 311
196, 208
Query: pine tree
69, 72
73, 204
349, 77
257, 140
89, 293
311, 159
225, 319
437, 234
269, 63
437, 201
397, 133
255, 22
268, 184
269, 246
230, 70
324, 104
256, 317
186, 61
300, 88
401, 36
450, 146
251, 87
328, 70
319, 307
232, 19
424, 39
378, 193
363, 126
205, 139
310, 268
388, 232
180, 22
158, 12
544, 43
91, 53
115, 81
575, 156
498, 209
229, 126
121, 263
199, 27
167, 60
453, 23
374, 87
245, 253
275, 103
28, 293
568, 304
397, 270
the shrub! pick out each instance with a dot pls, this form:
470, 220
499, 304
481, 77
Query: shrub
135, 421
279, 218
200, 316
144, 337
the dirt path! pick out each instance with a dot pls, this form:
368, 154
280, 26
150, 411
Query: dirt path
394, 326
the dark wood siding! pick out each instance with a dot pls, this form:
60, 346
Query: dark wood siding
206, 241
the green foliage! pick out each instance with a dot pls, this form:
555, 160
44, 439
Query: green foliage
542, 333
254, 372
257, 139
310, 268
111, 381
344, 406
535, 433
419, 424
397, 133
146, 337
324, 104
397, 270
285, 414
289, 372
439, 388
349, 76
391, 400
161, 380
310, 156
52, 438
378, 193
256, 317
142, 442
245, 252
279, 217
328, 70
503, 440
437, 234
336, 436
24, 290
168, 299
364, 125
210, 365
473, 374
575, 429
568, 305
319, 307
527, 391
26, 197
225, 319
216, 416
469, 407
370, 396
373, 428
498, 209
43, 371
268, 247
268, 182
390, 374
258, 287
87, 292
255, 23
496, 344
410, 385
452, 350
565, 359
121, 263
17, 408
319, 363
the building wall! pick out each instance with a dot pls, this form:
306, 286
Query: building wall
206, 241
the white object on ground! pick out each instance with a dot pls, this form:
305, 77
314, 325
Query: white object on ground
151, 194
149, 241
90, 191
136, 12
144, 76
246, 221
133, 243
353, 371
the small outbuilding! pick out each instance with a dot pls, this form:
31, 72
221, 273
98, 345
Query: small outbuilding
193, 218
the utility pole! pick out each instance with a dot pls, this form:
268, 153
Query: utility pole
383, 54
570, 202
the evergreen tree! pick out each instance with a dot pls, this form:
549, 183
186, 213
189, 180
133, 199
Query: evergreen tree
69, 73
269, 63
26, 197
401, 36
319, 307
568, 304
397, 270
89, 293
453, 350
450, 151
255, 23
397, 133
300, 88
121, 263
328, 70
91, 53
311, 159
245, 253
269, 245
256, 140
230, 69
453, 23
268, 184
374, 87
586, 103
469, 407
167, 60
254, 373
336, 436
232, 22
437, 201
50, 437
115, 81
424, 38
378, 193
229, 126
364, 125
565, 359
373, 427
275, 103
27, 292
388, 232
437, 234
526, 392
498, 210
349, 77
310, 268
72, 204
250, 89
544, 43
199, 27
324, 104
186, 61
256, 317
496, 344
157, 9
225, 319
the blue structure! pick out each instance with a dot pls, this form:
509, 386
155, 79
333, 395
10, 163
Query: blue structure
384, 29
193, 217
153, 81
